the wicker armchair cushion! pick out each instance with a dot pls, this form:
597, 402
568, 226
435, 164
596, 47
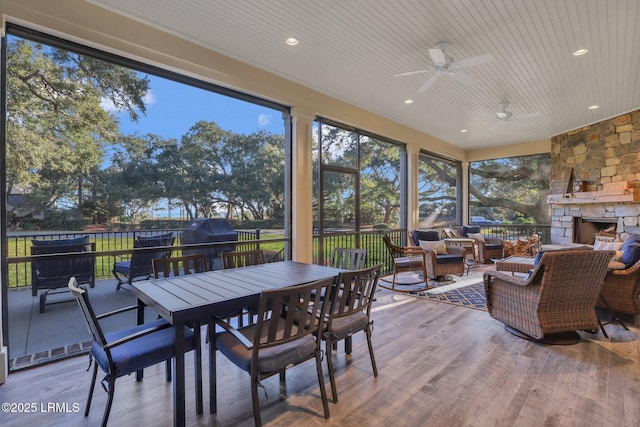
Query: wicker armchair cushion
616, 265
466, 229
437, 245
449, 259
427, 235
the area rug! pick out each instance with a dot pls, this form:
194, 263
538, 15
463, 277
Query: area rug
465, 295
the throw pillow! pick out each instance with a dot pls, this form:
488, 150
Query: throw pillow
477, 236
629, 249
436, 245
601, 245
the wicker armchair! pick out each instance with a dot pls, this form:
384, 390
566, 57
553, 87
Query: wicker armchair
488, 248
406, 259
621, 290
440, 264
559, 296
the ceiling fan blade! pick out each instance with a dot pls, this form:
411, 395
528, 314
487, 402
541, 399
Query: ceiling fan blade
462, 78
431, 80
469, 62
437, 56
410, 73
524, 116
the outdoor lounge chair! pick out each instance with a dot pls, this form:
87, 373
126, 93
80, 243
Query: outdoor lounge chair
557, 299
51, 274
140, 265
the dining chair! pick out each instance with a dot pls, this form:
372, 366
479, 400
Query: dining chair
284, 335
179, 265
243, 258
349, 313
129, 350
238, 259
348, 258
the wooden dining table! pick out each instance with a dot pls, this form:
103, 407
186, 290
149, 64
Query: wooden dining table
193, 299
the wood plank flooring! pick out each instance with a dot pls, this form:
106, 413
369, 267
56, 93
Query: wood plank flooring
439, 365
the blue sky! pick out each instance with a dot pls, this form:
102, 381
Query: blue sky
172, 108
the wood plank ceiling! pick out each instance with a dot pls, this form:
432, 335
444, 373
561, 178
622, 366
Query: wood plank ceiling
352, 49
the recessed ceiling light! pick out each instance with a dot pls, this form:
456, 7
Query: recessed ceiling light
580, 52
408, 101
593, 107
463, 130
292, 41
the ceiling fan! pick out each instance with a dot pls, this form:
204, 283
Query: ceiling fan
444, 65
506, 116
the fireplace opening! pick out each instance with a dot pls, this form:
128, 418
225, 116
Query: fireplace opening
586, 229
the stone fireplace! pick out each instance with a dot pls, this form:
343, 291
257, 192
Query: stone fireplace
578, 223
602, 154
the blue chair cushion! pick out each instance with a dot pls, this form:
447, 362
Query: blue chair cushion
466, 229
449, 259
82, 240
140, 352
158, 239
430, 235
123, 267
408, 261
269, 359
493, 246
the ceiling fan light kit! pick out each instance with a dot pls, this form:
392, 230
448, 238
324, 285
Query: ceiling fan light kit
506, 116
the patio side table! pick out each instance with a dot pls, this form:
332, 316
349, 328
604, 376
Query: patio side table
515, 264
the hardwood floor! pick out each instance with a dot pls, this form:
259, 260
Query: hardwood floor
439, 365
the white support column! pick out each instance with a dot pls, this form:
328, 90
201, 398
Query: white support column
413, 205
302, 185
465, 192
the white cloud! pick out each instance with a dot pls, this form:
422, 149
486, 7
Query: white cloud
264, 119
107, 104
149, 98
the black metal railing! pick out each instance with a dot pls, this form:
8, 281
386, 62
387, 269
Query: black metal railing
111, 245
377, 252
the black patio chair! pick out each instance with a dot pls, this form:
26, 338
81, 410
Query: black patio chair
350, 312
51, 274
129, 350
288, 321
140, 265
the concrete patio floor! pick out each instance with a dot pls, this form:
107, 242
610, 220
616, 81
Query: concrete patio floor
61, 331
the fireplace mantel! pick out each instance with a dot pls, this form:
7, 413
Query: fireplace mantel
593, 197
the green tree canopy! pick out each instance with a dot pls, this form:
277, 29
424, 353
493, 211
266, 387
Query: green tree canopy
57, 126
